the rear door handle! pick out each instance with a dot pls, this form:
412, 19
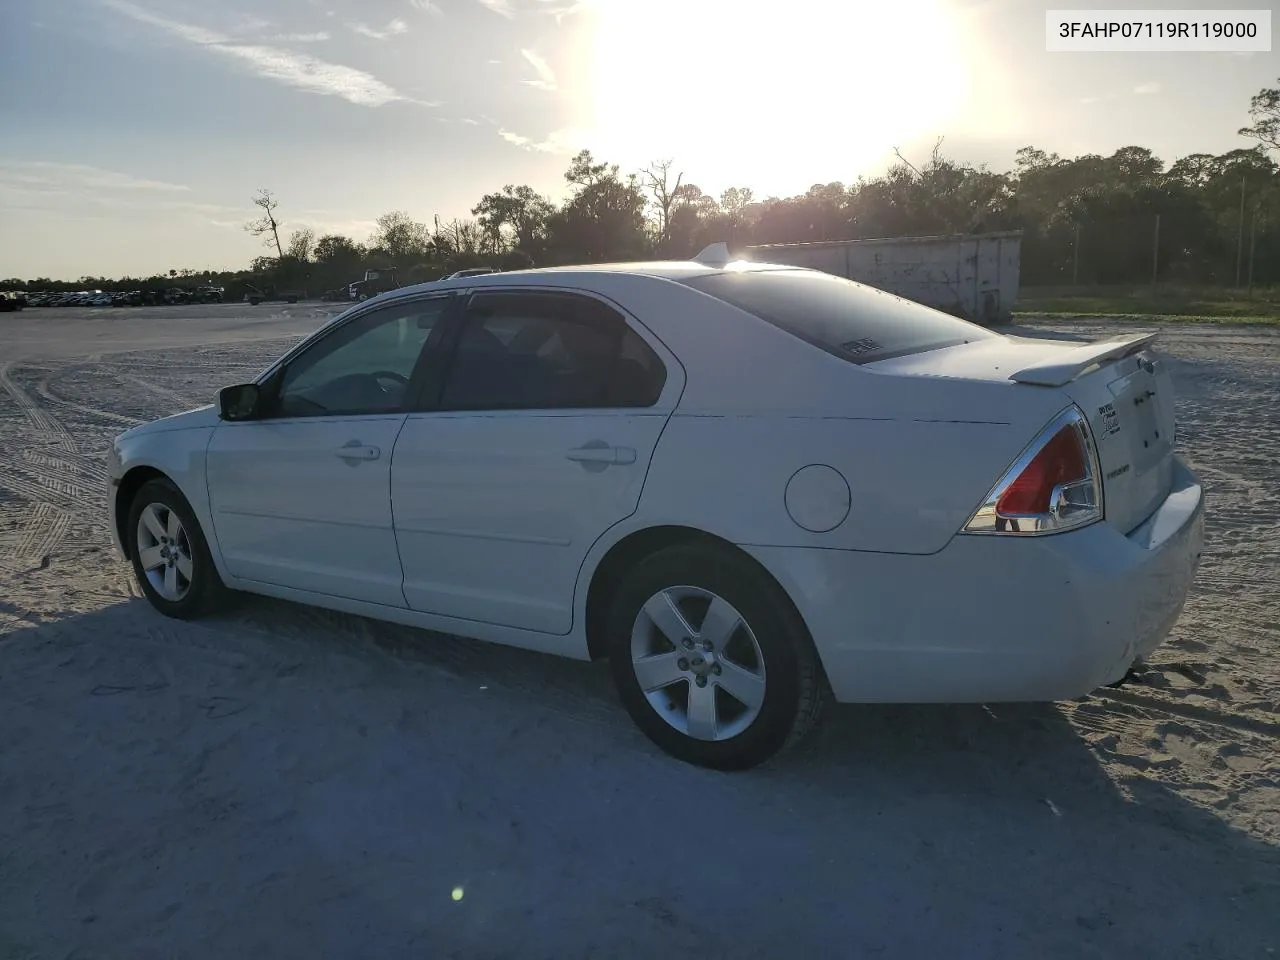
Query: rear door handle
353, 451
597, 451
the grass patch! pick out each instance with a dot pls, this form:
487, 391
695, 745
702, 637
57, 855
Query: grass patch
1152, 305
1264, 320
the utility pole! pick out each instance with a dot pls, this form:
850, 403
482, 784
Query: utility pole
1253, 240
1240, 235
1075, 253
1155, 252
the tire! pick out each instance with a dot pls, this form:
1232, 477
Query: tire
771, 665
181, 594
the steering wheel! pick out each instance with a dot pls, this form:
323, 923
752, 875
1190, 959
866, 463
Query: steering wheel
391, 375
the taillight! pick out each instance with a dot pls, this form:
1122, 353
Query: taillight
1053, 486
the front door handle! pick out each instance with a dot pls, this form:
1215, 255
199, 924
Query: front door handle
599, 452
353, 451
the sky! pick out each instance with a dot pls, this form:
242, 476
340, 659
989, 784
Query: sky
133, 133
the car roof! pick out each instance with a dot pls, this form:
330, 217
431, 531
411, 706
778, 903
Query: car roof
677, 270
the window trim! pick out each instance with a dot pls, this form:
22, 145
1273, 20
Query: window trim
431, 401
272, 378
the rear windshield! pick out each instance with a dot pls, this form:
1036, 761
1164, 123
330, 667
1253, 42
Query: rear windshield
855, 322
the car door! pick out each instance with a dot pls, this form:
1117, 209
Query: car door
541, 434
301, 496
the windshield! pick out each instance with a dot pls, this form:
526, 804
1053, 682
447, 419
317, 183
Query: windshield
854, 322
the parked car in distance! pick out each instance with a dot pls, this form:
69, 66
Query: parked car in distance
750, 487
376, 281
256, 295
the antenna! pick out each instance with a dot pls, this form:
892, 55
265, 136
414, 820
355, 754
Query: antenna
714, 255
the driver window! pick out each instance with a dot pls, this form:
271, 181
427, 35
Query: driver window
364, 367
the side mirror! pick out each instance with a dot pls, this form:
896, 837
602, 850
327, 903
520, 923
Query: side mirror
241, 402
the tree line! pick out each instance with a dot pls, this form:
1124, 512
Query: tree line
1087, 220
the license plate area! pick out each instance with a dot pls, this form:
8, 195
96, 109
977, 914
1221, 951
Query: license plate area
1139, 413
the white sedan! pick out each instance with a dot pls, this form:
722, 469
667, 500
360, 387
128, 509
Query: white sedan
748, 486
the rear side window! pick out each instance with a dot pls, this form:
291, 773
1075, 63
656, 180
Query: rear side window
857, 323
538, 351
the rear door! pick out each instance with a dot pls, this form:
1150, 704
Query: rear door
538, 441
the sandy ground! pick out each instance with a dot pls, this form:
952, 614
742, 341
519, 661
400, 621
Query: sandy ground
286, 782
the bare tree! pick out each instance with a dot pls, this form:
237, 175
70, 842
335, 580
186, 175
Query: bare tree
458, 238
657, 180
935, 157
266, 226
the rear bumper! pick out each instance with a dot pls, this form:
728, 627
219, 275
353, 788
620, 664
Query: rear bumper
997, 619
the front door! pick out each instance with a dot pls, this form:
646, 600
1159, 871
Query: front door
547, 418
301, 497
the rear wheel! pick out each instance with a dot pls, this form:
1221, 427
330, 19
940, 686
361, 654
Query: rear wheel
710, 658
170, 556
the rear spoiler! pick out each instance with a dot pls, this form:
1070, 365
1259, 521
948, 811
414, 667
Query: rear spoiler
1065, 367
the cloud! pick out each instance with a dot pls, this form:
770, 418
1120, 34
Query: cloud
427, 6
560, 9
254, 24
300, 71
558, 141
546, 76
46, 176
500, 7
319, 36
520, 141
1147, 88
392, 29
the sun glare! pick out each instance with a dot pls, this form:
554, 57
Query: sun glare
771, 92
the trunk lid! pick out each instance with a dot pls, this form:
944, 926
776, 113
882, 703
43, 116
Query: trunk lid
1121, 385
1129, 404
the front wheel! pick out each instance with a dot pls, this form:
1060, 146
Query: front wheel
170, 556
711, 659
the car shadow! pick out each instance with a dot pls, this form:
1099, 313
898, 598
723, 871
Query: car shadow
284, 781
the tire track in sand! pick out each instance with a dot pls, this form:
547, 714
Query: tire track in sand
92, 470
47, 427
45, 392
183, 402
39, 487
43, 532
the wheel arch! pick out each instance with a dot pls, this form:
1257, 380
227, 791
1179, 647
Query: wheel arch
128, 488
635, 547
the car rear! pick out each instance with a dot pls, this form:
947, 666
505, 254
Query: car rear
1076, 562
